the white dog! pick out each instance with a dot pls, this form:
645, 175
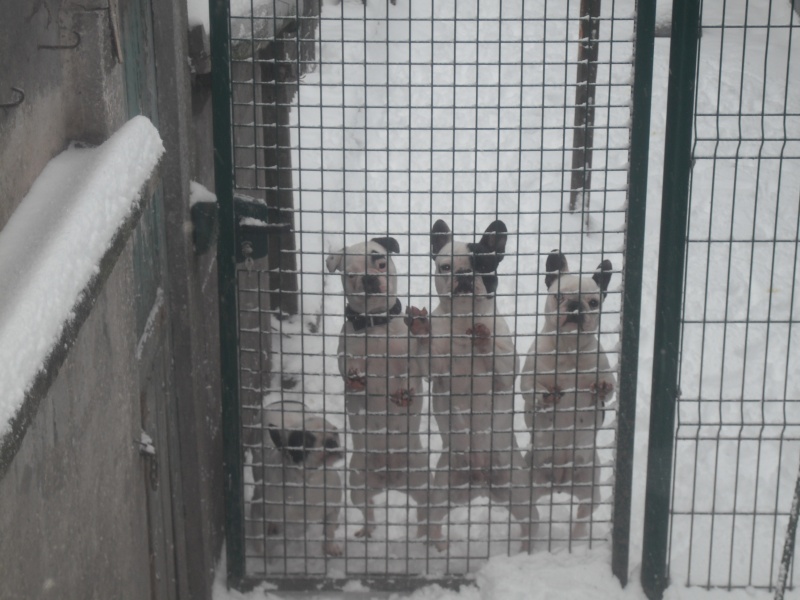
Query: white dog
377, 359
473, 364
296, 484
565, 382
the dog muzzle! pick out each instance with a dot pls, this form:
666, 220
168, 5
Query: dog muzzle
465, 284
372, 285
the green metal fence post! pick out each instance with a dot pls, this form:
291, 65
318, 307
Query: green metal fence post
672, 251
632, 286
226, 267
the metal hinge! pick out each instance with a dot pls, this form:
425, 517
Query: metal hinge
148, 452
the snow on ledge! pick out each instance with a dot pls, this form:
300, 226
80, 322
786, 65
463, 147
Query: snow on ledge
53, 244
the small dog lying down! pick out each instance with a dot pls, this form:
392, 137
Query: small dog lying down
296, 485
565, 382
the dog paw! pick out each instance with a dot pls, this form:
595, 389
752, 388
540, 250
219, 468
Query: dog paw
602, 389
403, 398
332, 549
364, 532
356, 381
417, 321
481, 337
552, 396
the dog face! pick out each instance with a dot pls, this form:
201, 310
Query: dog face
464, 269
369, 278
303, 438
574, 302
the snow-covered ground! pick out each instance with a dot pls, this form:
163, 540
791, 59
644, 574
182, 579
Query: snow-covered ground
455, 110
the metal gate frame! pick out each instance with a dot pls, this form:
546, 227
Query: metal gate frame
226, 255
678, 165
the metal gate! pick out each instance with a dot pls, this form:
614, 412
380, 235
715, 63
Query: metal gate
447, 148
724, 427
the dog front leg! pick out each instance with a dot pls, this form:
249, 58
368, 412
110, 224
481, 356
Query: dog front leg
419, 327
329, 546
362, 498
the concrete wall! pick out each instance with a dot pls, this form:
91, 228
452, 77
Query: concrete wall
72, 505
79, 514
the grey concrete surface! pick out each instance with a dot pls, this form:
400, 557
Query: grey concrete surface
72, 505
79, 517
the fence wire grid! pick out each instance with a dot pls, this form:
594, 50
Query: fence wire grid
357, 121
738, 417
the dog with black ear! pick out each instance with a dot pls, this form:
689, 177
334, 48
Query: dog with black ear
566, 381
472, 364
296, 483
382, 382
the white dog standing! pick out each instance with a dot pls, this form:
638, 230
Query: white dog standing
565, 382
377, 360
473, 363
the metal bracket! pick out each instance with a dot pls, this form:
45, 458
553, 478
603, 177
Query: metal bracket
20, 98
255, 221
71, 46
148, 452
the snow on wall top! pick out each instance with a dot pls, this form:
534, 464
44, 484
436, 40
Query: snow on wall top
53, 243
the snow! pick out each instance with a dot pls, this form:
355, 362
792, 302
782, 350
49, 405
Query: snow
470, 132
198, 13
199, 193
52, 245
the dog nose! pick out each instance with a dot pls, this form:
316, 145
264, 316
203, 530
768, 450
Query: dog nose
464, 281
465, 277
573, 306
371, 284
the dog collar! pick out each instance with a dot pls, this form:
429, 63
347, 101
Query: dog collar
360, 321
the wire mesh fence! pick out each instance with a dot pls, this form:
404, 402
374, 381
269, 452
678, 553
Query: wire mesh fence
423, 382
738, 426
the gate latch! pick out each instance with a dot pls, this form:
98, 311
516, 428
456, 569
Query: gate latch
255, 221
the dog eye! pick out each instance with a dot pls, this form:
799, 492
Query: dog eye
445, 268
593, 303
382, 266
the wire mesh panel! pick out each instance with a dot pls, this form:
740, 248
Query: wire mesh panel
738, 420
424, 383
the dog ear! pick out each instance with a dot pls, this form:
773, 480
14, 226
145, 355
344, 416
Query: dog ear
275, 436
495, 239
555, 265
440, 237
335, 260
389, 243
602, 276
